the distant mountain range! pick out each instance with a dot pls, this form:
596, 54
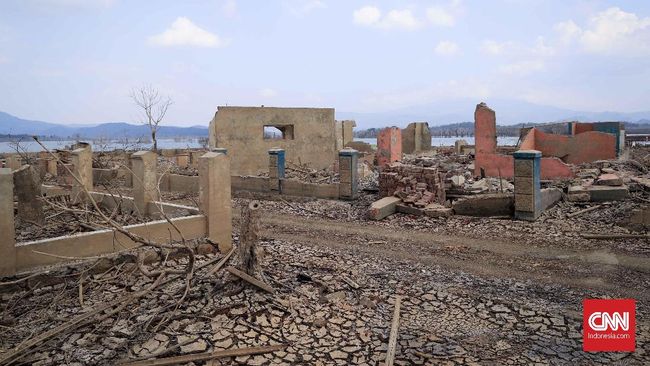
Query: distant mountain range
11, 125
440, 113
508, 112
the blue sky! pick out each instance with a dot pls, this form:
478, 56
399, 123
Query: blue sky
75, 61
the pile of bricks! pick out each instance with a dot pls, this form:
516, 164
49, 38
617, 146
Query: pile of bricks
415, 185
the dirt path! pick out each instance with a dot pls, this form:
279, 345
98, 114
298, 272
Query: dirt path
593, 270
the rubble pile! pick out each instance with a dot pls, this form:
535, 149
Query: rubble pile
167, 165
415, 185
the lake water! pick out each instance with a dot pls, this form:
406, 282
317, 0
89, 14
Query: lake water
449, 141
32, 146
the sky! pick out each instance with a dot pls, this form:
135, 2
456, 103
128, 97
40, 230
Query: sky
76, 61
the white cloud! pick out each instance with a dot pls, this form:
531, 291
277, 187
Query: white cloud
300, 8
371, 16
440, 16
495, 48
568, 31
185, 33
542, 49
610, 31
229, 8
400, 19
4, 60
268, 93
366, 16
522, 68
447, 48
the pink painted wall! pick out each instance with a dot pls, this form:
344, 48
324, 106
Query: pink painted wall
485, 129
496, 165
389, 146
581, 148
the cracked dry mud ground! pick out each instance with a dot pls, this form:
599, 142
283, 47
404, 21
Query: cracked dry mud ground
466, 300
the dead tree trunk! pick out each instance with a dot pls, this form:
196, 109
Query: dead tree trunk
248, 238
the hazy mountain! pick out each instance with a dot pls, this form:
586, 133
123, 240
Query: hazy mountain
13, 125
507, 111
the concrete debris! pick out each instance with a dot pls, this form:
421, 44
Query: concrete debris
494, 204
383, 208
609, 179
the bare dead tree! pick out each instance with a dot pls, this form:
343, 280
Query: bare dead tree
154, 107
19, 146
248, 238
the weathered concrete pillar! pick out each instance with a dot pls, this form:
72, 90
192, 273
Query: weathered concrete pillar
145, 183
528, 197
215, 199
82, 162
52, 168
183, 160
194, 158
27, 183
13, 162
7, 229
458, 146
348, 173
276, 169
347, 127
485, 136
389, 146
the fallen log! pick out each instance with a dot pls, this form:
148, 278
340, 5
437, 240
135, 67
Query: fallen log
392, 340
574, 214
176, 360
250, 279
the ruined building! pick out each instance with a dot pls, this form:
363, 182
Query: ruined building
308, 135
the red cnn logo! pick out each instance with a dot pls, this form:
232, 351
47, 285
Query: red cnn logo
608, 325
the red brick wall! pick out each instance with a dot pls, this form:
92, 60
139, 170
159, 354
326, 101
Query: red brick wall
389, 146
414, 184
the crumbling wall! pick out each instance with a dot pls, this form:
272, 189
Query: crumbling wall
416, 137
492, 164
413, 184
581, 148
309, 136
389, 146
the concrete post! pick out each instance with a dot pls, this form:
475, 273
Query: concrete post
183, 160
7, 229
528, 197
145, 182
52, 168
27, 185
13, 162
276, 169
348, 173
82, 163
215, 198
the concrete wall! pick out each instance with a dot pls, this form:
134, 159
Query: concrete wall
416, 137
104, 241
240, 130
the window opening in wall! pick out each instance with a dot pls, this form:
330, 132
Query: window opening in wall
278, 132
